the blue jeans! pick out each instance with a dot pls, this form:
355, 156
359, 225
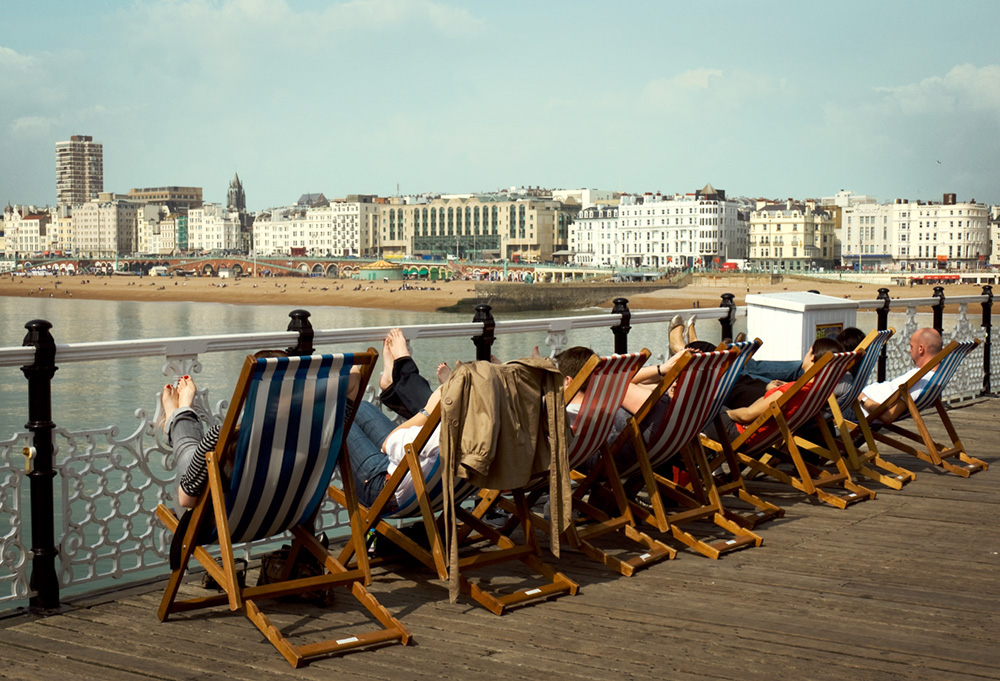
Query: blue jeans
369, 463
768, 370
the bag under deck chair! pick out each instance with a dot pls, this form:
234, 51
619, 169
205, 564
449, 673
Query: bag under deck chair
285, 425
868, 463
427, 503
769, 441
606, 380
695, 377
944, 365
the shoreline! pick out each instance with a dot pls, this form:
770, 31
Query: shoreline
296, 292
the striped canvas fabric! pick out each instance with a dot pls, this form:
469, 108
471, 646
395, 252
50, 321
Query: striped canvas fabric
290, 437
805, 403
604, 393
865, 367
689, 410
728, 379
942, 374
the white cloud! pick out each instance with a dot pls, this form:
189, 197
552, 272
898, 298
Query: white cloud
965, 87
12, 59
708, 86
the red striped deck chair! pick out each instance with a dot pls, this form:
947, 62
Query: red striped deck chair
604, 381
692, 406
868, 463
768, 445
285, 427
426, 504
952, 458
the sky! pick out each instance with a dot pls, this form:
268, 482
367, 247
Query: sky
763, 99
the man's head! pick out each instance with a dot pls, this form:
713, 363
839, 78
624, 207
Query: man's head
700, 346
820, 347
924, 344
850, 337
571, 360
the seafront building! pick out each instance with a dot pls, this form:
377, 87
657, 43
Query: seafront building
317, 226
904, 235
177, 199
483, 226
995, 236
26, 232
211, 227
792, 236
105, 229
700, 229
79, 170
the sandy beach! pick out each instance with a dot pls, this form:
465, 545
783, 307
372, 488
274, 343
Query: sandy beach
294, 292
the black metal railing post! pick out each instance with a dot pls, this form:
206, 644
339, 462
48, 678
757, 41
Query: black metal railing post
988, 341
727, 322
43, 581
938, 309
882, 314
621, 329
300, 323
484, 341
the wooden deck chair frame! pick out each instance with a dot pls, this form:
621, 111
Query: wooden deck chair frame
376, 517
868, 463
211, 506
764, 455
944, 365
728, 482
606, 380
696, 376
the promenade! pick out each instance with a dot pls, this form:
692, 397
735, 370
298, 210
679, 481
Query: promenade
902, 587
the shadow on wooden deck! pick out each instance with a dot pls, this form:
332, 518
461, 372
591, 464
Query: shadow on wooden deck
902, 587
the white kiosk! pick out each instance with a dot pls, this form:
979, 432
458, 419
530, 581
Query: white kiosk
788, 323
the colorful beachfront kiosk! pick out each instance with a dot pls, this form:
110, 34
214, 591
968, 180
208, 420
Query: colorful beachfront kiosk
381, 270
789, 322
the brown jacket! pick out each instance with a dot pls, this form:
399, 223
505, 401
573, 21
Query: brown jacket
502, 423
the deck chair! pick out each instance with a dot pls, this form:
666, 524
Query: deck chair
426, 504
606, 380
868, 463
944, 365
285, 426
696, 378
769, 441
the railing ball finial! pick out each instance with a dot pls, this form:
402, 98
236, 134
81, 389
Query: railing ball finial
300, 323
622, 328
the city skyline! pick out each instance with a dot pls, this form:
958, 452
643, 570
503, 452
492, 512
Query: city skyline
893, 100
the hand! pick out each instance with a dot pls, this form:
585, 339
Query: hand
775, 384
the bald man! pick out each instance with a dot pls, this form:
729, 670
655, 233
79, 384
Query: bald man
924, 344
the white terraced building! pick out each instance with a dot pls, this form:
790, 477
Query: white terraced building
212, 227
792, 236
703, 229
904, 235
340, 228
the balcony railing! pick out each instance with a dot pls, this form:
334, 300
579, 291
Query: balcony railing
93, 492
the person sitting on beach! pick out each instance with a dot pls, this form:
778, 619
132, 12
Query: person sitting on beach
924, 345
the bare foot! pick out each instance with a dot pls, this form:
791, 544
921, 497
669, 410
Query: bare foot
385, 380
186, 390
443, 372
535, 354
397, 341
168, 400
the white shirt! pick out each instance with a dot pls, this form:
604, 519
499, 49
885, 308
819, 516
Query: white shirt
880, 392
395, 448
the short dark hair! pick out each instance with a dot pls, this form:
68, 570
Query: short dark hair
700, 346
571, 360
851, 337
821, 346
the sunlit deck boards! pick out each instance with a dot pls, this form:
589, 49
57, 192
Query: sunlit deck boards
906, 586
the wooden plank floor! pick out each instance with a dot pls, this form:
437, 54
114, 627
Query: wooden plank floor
902, 587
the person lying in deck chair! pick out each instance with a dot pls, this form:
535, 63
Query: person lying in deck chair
924, 345
735, 420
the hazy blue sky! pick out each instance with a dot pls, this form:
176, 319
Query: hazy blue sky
776, 99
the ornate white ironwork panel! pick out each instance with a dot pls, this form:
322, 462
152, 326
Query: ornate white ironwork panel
14, 543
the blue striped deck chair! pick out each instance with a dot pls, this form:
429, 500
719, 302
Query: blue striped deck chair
426, 504
768, 446
283, 434
868, 463
944, 365
602, 383
695, 379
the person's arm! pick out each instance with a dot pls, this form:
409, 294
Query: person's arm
747, 415
420, 418
654, 374
890, 414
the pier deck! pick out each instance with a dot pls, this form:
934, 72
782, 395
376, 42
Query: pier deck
906, 586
